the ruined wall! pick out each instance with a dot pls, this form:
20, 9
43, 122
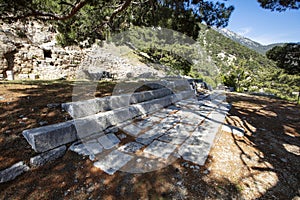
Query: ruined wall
30, 51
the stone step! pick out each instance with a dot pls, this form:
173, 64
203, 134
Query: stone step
159, 146
49, 137
92, 106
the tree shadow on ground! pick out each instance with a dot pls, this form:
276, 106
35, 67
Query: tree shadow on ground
75, 177
273, 128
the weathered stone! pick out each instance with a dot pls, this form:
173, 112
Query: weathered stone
53, 105
93, 147
91, 125
92, 106
79, 148
130, 147
132, 130
144, 123
113, 162
49, 137
175, 136
195, 153
160, 149
12, 172
109, 141
153, 133
48, 156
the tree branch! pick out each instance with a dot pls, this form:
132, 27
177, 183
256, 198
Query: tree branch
118, 10
49, 16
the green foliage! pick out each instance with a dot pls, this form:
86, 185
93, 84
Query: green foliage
286, 57
97, 19
277, 5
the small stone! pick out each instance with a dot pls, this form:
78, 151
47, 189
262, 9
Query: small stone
22, 123
121, 136
53, 105
90, 189
179, 183
42, 123
283, 160
12, 172
192, 167
48, 156
206, 171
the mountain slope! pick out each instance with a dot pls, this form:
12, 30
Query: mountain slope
244, 68
246, 41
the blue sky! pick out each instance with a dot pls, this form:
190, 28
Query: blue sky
263, 26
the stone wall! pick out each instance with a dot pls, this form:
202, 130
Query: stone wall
31, 52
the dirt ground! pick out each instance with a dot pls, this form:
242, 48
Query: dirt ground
264, 164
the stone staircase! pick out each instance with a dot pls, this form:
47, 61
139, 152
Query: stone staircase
137, 132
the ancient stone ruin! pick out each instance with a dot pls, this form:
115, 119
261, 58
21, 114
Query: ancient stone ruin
161, 125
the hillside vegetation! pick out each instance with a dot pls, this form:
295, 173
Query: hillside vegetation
245, 69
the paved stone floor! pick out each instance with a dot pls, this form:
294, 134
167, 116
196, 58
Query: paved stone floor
186, 129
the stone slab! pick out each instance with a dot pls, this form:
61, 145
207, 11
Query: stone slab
109, 141
144, 141
93, 147
12, 172
132, 130
161, 114
49, 137
175, 136
185, 127
48, 156
113, 162
195, 153
153, 133
144, 123
130, 147
160, 149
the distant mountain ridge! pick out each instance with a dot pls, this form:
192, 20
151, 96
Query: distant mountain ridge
262, 49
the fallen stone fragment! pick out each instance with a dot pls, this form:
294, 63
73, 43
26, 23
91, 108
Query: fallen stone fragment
12, 172
48, 156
